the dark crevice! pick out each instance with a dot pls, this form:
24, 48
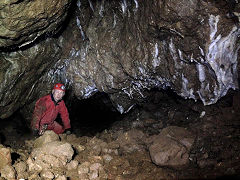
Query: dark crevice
92, 115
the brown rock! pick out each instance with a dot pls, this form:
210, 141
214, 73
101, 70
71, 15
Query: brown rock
47, 137
171, 147
20, 167
61, 177
5, 156
83, 168
24, 21
47, 175
72, 165
8, 172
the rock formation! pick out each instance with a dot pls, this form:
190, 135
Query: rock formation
123, 48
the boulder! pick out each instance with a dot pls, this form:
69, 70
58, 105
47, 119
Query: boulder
54, 154
47, 137
131, 141
171, 147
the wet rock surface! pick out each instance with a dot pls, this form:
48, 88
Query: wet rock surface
22, 22
122, 48
123, 151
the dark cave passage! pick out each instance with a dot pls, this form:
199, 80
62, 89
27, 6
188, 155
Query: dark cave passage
92, 115
96, 114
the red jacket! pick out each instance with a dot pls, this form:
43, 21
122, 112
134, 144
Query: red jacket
46, 111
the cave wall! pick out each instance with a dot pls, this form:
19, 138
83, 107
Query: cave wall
131, 46
124, 48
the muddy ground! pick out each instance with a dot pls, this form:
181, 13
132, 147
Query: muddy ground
214, 154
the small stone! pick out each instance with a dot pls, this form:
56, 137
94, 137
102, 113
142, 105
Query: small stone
93, 174
62, 177
47, 175
83, 168
80, 148
8, 172
72, 165
22, 175
95, 159
102, 173
20, 167
95, 166
95, 150
34, 176
32, 166
83, 176
107, 158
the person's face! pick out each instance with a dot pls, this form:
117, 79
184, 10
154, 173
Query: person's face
57, 94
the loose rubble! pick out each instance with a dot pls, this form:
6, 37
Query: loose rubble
68, 156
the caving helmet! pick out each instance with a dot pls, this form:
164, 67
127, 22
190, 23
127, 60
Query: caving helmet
59, 86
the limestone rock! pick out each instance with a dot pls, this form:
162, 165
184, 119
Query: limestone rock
47, 175
80, 148
58, 149
5, 156
8, 172
72, 165
194, 53
55, 154
22, 175
132, 140
171, 147
83, 168
47, 137
95, 166
93, 174
21, 22
62, 177
34, 176
107, 158
180, 135
20, 166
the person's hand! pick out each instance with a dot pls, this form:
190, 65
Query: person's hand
68, 131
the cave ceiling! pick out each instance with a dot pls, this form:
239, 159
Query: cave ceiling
122, 47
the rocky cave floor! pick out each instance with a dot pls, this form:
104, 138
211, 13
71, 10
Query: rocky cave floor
120, 151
